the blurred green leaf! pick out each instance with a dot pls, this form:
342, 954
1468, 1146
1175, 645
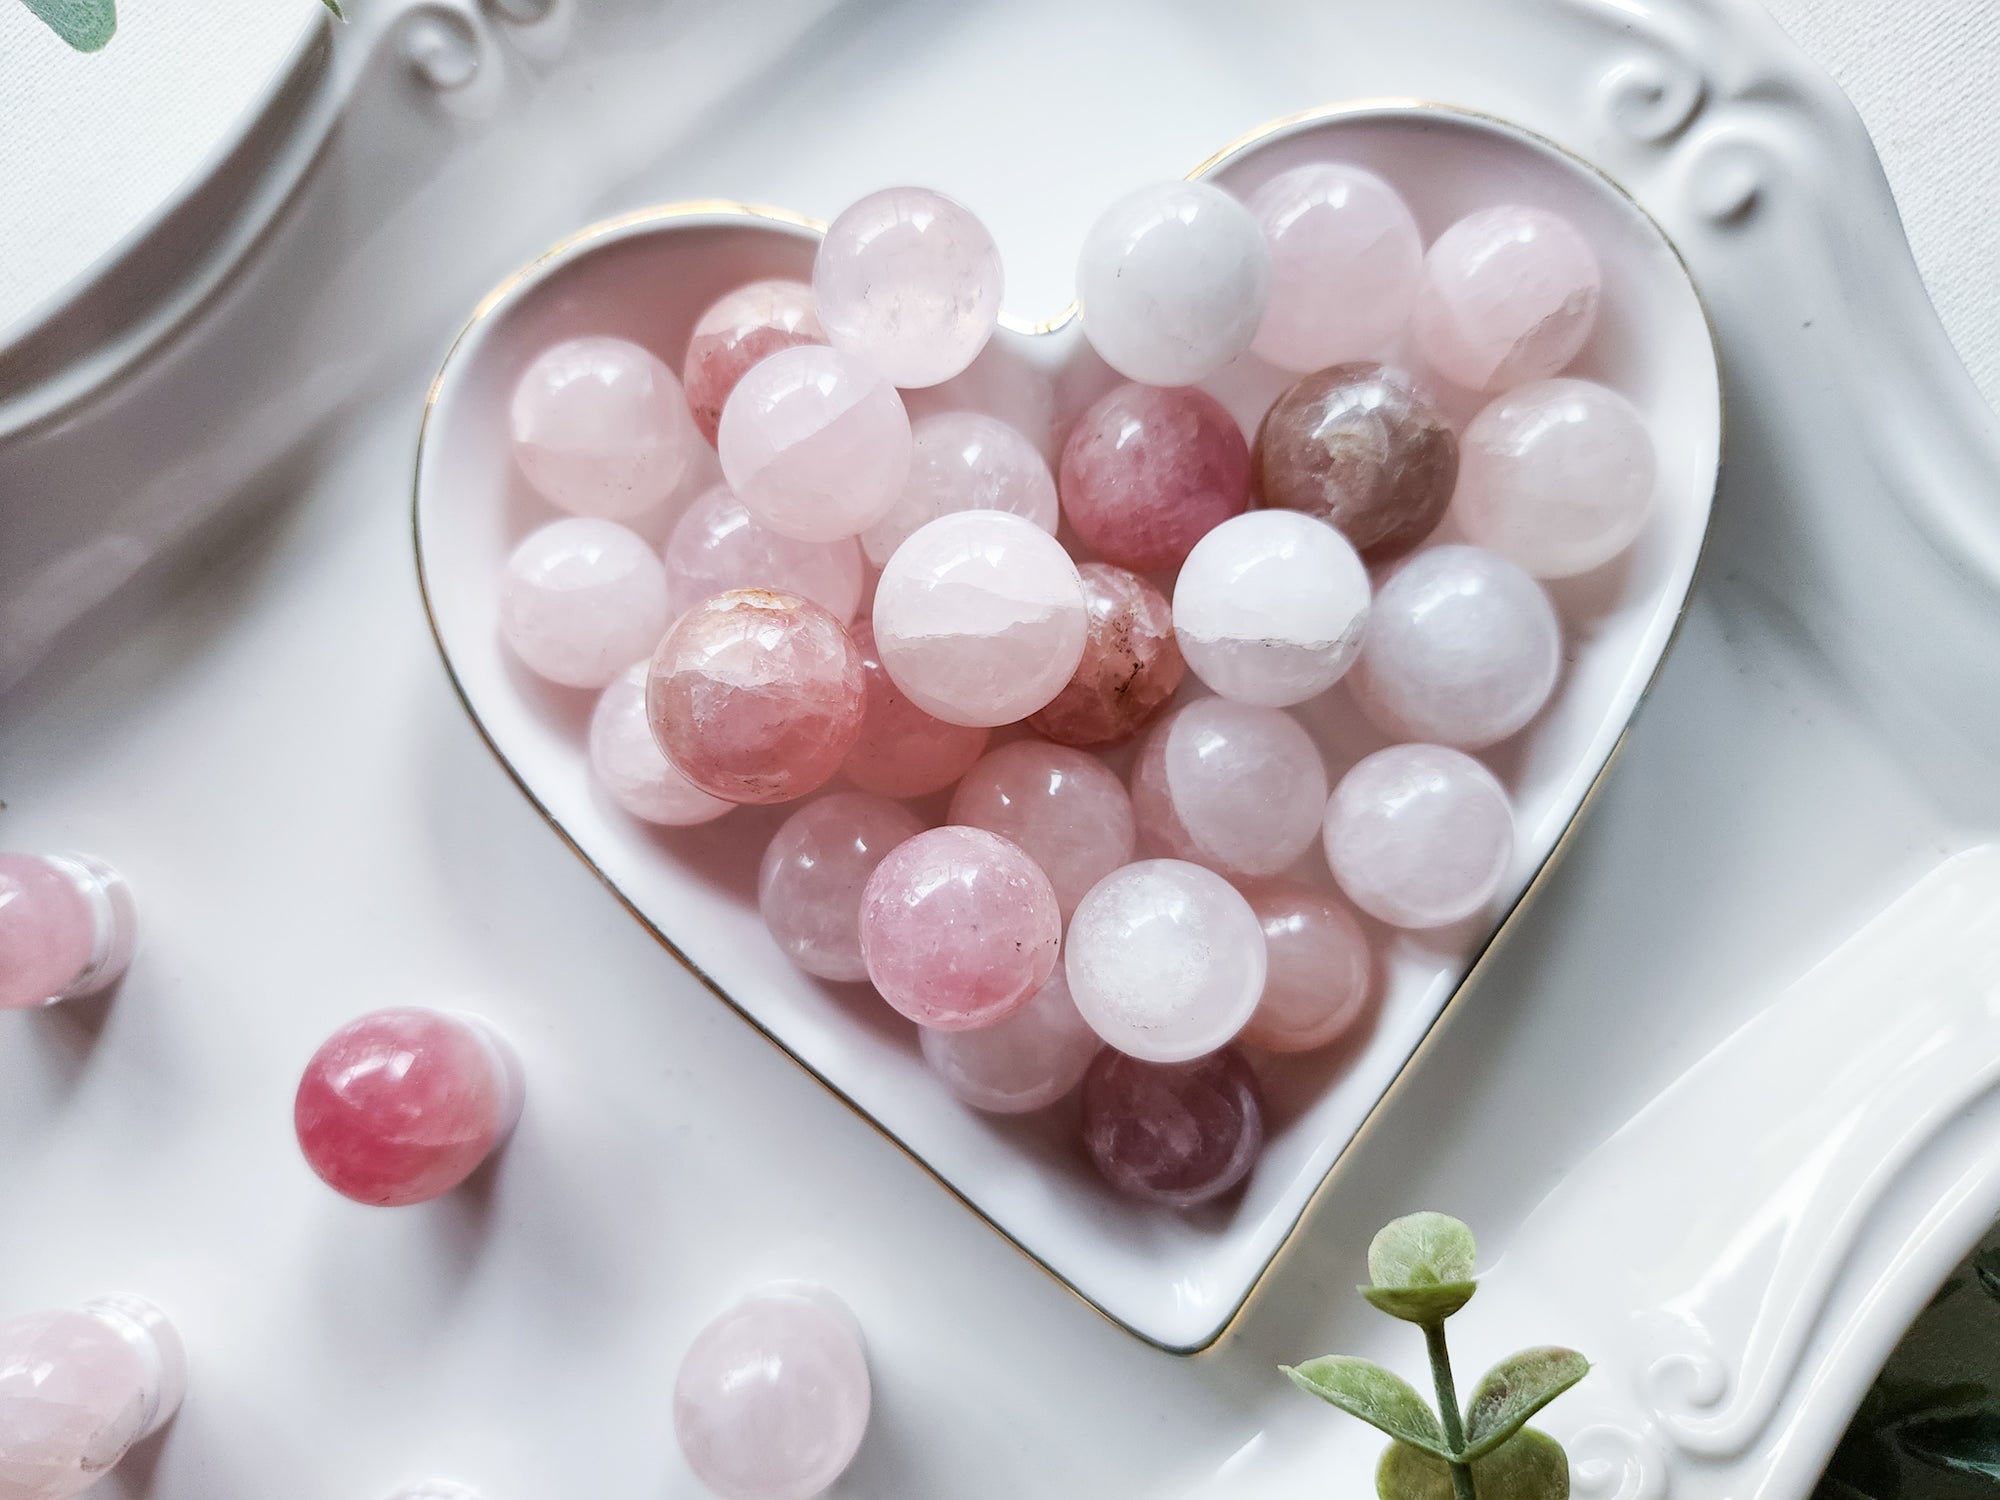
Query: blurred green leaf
1986, 1266
85, 24
1514, 1390
334, 6
1421, 1250
1530, 1465
1421, 1304
1379, 1397
1968, 1444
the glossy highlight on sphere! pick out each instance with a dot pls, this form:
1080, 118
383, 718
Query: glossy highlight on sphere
600, 428
813, 872
1509, 295
740, 329
1176, 1134
717, 545
1146, 473
1066, 810
67, 928
965, 460
1238, 788
903, 751
629, 764
1320, 985
1130, 668
1024, 1063
581, 600
1419, 835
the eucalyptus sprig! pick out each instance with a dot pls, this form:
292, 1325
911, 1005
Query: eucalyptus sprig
87, 25
1420, 1270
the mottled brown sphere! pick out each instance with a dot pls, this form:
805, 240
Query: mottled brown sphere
1130, 668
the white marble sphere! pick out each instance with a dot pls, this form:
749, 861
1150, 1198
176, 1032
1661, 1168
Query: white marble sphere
1556, 476
980, 618
1026, 1062
1509, 295
965, 460
1270, 607
717, 545
1419, 835
1165, 960
581, 600
1463, 649
1232, 786
1173, 278
629, 764
601, 428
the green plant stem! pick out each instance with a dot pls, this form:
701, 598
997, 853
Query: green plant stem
1448, 1413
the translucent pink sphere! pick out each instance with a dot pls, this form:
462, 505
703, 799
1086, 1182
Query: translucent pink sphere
1176, 1134
959, 928
1419, 835
1026, 1062
1346, 258
756, 696
1463, 649
1130, 668
717, 544
581, 600
67, 928
810, 882
965, 460
1232, 786
401, 1106
815, 443
1146, 473
1509, 295
980, 618
629, 764
909, 280
740, 329
1320, 987
772, 1398
903, 751
1067, 810
601, 428
1165, 960
1556, 476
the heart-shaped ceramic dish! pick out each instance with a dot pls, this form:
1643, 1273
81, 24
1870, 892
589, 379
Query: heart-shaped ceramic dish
1175, 1280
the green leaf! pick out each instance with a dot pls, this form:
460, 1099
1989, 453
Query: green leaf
334, 6
1379, 1397
85, 24
1421, 1250
1530, 1465
1421, 1304
1965, 1445
1514, 1390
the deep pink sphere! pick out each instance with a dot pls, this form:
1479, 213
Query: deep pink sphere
1149, 471
1177, 1134
739, 329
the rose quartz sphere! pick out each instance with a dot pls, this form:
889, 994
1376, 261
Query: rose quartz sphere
718, 545
1165, 960
980, 618
1026, 1062
965, 460
400, 1106
1509, 295
772, 1398
1463, 649
903, 751
1419, 835
756, 696
1556, 476
1346, 258
75, 1395
959, 928
629, 764
1130, 668
1319, 988
909, 280
740, 329
815, 443
601, 428
1146, 473
1176, 1134
1066, 810
1237, 788
809, 884
48, 932
581, 600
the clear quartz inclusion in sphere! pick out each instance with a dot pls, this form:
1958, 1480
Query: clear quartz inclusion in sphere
1026, 1062
910, 281
1130, 668
581, 600
739, 329
1165, 960
1556, 476
1320, 988
631, 767
1270, 608
1232, 786
1175, 1134
1146, 473
1419, 835
815, 443
717, 544
903, 751
1067, 811
1509, 295
1173, 278
980, 618
810, 882
965, 460
601, 428
772, 1398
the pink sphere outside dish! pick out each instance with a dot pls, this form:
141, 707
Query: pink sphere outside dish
600, 428
67, 928
739, 329
903, 751
814, 870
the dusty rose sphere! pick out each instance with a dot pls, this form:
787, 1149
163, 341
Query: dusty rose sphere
757, 696
1176, 1134
1131, 663
810, 882
1067, 811
600, 428
903, 751
1026, 1062
1320, 984
1419, 835
739, 329
1147, 472
47, 931
1509, 295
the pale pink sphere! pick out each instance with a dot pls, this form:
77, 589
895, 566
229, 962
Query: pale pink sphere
1066, 809
631, 767
601, 428
400, 1106
717, 544
815, 443
1346, 258
1146, 473
810, 882
1419, 835
78, 1387
1232, 786
965, 460
1463, 649
581, 600
756, 695
772, 1398
1025, 1063
981, 617
1509, 295
1556, 476
1320, 987
48, 931
739, 329
960, 928
903, 751
910, 281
